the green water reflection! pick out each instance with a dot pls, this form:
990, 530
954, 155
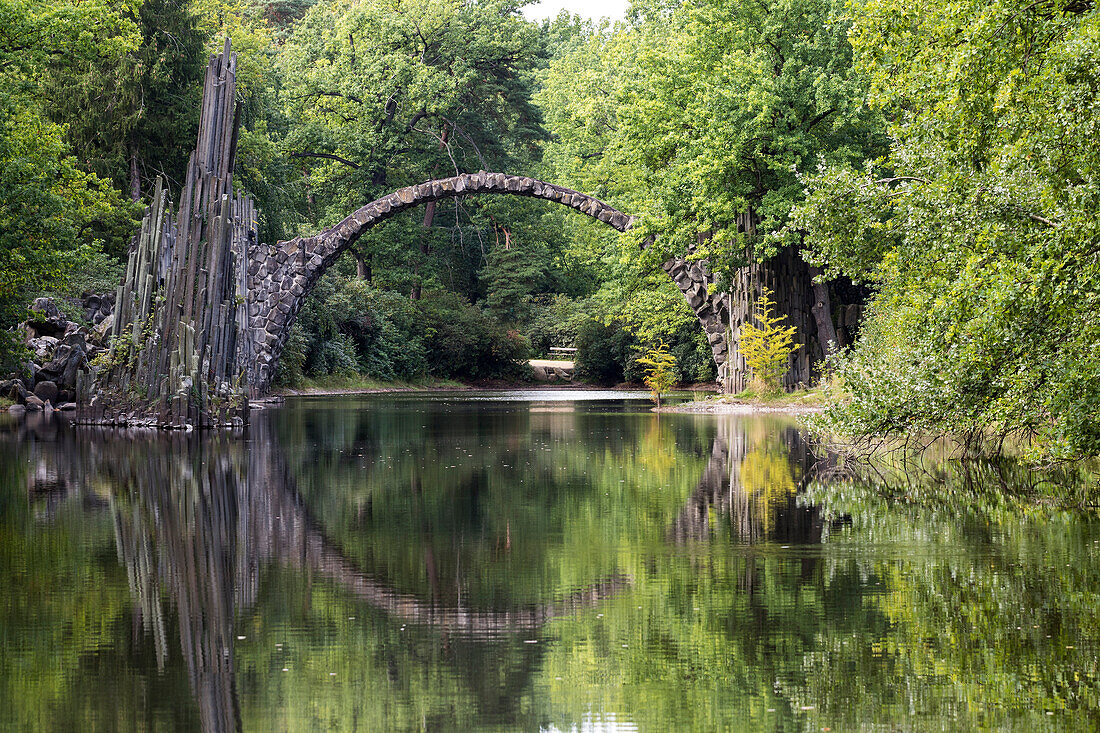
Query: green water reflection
392, 563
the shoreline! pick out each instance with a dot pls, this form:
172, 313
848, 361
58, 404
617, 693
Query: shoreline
739, 408
322, 391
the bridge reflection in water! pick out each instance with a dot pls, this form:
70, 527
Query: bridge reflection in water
199, 519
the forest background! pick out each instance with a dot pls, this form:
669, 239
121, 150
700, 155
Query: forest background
942, 157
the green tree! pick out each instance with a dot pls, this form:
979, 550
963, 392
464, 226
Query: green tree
383, 96
660, 370
978, 229
697, 117
54, 216
134, 116
767, 347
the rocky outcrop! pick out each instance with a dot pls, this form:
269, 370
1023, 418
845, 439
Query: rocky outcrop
61, 352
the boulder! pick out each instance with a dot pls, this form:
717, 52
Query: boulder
46, 391
46, 321
43, 347
104, 326
46, 308
69, 358
77, 340
98, 306
34, 404
14, 390
17, 410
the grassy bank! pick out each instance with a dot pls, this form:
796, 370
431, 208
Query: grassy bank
336, 384
801, 400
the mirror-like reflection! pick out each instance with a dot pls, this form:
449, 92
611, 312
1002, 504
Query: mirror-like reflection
493, 562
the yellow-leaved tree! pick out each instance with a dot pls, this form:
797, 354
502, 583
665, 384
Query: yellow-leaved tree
767, 347
660, 370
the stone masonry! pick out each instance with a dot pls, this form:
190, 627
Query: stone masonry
281, 276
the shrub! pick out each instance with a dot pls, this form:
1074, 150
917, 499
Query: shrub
660, 370
766, 348
605, 353
387, 332
464, 343
290, 369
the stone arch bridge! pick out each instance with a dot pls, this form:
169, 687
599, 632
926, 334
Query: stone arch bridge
281, 276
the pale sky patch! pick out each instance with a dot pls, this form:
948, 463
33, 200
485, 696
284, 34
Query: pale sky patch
594, 9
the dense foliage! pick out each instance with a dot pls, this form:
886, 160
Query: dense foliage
730, 129
979, 229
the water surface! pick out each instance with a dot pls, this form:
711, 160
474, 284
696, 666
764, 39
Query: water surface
532, 561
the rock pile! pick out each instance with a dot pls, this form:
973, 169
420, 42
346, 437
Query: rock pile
61, 350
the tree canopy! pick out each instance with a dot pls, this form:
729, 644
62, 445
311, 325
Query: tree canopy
978, 228
943, 156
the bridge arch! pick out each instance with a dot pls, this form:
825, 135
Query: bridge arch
281, 276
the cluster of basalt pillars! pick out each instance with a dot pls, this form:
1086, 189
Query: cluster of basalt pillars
198, 371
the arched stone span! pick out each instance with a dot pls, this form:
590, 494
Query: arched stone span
281, 276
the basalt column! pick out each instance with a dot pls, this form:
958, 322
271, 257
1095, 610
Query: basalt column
180, 353
721, 314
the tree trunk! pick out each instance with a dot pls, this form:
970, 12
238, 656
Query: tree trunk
135, 176
362, 265
823, 313
425, 247
426, 229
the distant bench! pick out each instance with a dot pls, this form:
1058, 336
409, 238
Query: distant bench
562, 350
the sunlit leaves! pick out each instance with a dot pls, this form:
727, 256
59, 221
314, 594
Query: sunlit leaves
979, 227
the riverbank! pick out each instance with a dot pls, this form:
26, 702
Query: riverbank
799, 402
362, 385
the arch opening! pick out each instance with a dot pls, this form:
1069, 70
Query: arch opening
281, 276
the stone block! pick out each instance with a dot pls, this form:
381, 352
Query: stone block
46, 391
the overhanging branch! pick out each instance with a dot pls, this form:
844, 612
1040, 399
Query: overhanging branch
327, 156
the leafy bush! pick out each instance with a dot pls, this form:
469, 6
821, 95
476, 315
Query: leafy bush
767, 347
605, 353
348, 327
463, 342
694, 358
290, 369
387, 332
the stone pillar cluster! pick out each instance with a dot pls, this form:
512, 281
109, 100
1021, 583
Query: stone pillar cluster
180, 352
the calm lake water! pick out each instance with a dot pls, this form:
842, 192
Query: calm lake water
553, 561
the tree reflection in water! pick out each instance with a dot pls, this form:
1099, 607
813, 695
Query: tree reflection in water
466, 567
